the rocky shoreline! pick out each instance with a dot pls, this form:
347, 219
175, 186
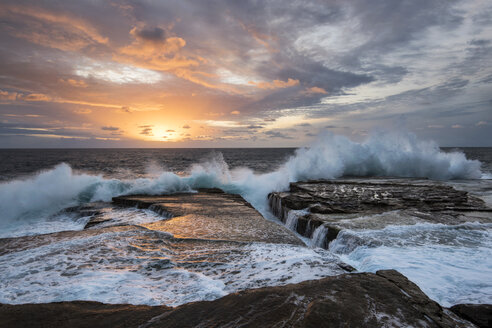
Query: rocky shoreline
206, 230
332, 206
384, 299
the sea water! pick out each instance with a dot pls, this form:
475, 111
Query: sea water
38, 185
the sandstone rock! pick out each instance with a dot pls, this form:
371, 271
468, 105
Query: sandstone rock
210, 214
78, 314
384, 299
353, 204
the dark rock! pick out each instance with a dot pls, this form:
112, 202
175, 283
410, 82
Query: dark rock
78, 314
479, 314
95, 220
334, 204
384, 299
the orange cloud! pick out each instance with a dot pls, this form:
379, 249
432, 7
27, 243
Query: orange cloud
261, 38
36, 97
151, 49
276, 84
315, 90
75, 83
162, 54
49, 29
14, 96
5, 95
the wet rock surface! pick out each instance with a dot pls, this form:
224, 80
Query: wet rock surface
479, 314
77, 314
210, 214
384, 299
372, 204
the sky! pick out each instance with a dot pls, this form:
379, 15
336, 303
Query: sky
270, 73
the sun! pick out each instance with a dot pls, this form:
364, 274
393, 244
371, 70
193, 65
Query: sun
164, 133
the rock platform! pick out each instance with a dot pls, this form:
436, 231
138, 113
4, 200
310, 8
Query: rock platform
372, 204
210, 214
384, 299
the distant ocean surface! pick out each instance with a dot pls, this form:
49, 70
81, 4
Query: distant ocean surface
36, 185
134, 163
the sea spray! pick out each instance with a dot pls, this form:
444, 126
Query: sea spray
331, 156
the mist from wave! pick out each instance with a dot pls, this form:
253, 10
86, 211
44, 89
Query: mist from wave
37, 198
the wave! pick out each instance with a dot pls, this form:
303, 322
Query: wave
445, 261
331, 156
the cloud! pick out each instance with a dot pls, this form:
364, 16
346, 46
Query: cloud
276, 84
75, 83
315, 90
331, 60
277, 134
82, 111
151, 50
5, 95
186, 126
252, 126
457, 126
49, 28
170, 131
156, 34
109, 128
36, 97
147, 132
482, 123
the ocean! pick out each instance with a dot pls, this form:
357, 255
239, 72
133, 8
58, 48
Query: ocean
452, 264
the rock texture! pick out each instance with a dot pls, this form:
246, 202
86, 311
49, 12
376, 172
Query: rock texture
77, 314
479, 314
210, 214
384, 299
336, 203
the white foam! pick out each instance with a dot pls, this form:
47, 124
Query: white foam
145, 267
331, 156
451, 264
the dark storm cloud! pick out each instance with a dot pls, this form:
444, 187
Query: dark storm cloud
156, 34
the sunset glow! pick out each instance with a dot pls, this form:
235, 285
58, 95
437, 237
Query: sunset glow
241, 74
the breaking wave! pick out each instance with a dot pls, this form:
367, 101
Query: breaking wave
331, 156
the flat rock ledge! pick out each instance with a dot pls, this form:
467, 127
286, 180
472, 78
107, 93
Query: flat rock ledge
334, 204
384, 299
209, 214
